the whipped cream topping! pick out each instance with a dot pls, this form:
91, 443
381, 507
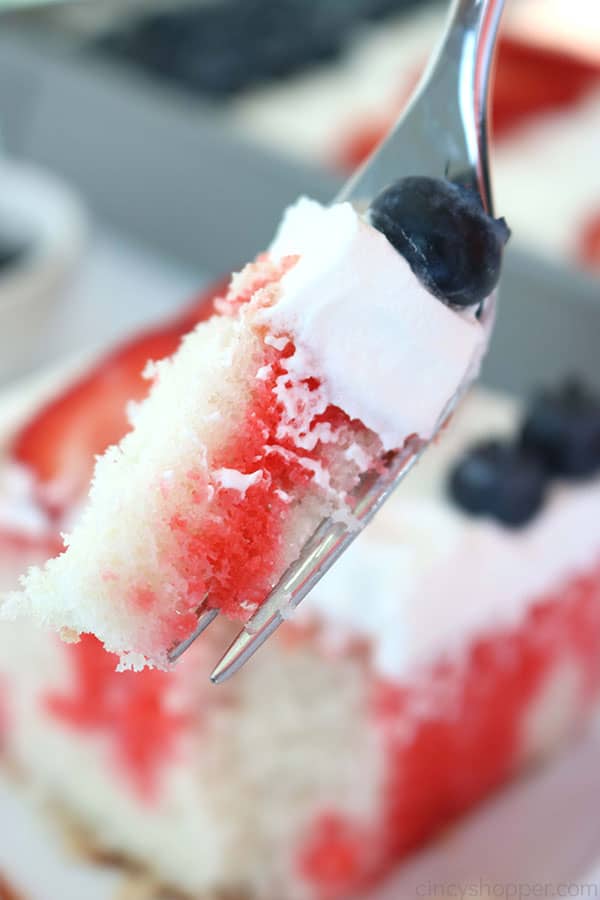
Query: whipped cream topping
386, 350
425, 579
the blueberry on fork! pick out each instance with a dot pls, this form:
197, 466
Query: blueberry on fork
451, 244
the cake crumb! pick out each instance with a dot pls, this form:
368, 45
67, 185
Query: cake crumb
69, 636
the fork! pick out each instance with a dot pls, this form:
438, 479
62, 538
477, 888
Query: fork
443, 132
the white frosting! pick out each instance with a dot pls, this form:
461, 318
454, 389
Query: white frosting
387, 351
424, 579
233, 480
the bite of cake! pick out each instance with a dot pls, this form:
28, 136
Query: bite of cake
346, 340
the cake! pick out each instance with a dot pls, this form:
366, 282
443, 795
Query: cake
455, 642
345, 343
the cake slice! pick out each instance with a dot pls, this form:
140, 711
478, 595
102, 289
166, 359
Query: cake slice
346, 340
457, 641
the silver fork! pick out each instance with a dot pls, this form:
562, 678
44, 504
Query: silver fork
442, 132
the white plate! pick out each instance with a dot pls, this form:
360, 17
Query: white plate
50, 218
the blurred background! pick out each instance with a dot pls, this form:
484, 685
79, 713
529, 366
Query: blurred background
166, 138
147, 148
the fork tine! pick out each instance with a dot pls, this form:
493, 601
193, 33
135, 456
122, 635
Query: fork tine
204, 620
318, 554
328, 542
242, 648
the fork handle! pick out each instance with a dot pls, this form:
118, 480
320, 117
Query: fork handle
443, 130
465, 61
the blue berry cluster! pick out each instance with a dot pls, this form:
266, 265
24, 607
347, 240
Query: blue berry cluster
508, 481
218, 49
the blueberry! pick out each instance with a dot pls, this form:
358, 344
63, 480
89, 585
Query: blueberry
451, 244
563, 429
499, 480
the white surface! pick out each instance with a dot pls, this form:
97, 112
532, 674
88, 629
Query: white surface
546, 178
43, 213
386, 351
537, 838
118, 287
574, 24
34, 858
18, 510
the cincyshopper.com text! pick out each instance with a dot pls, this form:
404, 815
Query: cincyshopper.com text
506, 890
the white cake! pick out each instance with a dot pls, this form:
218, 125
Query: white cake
438, 656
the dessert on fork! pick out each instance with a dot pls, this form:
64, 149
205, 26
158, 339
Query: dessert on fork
289, 418
342, 343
